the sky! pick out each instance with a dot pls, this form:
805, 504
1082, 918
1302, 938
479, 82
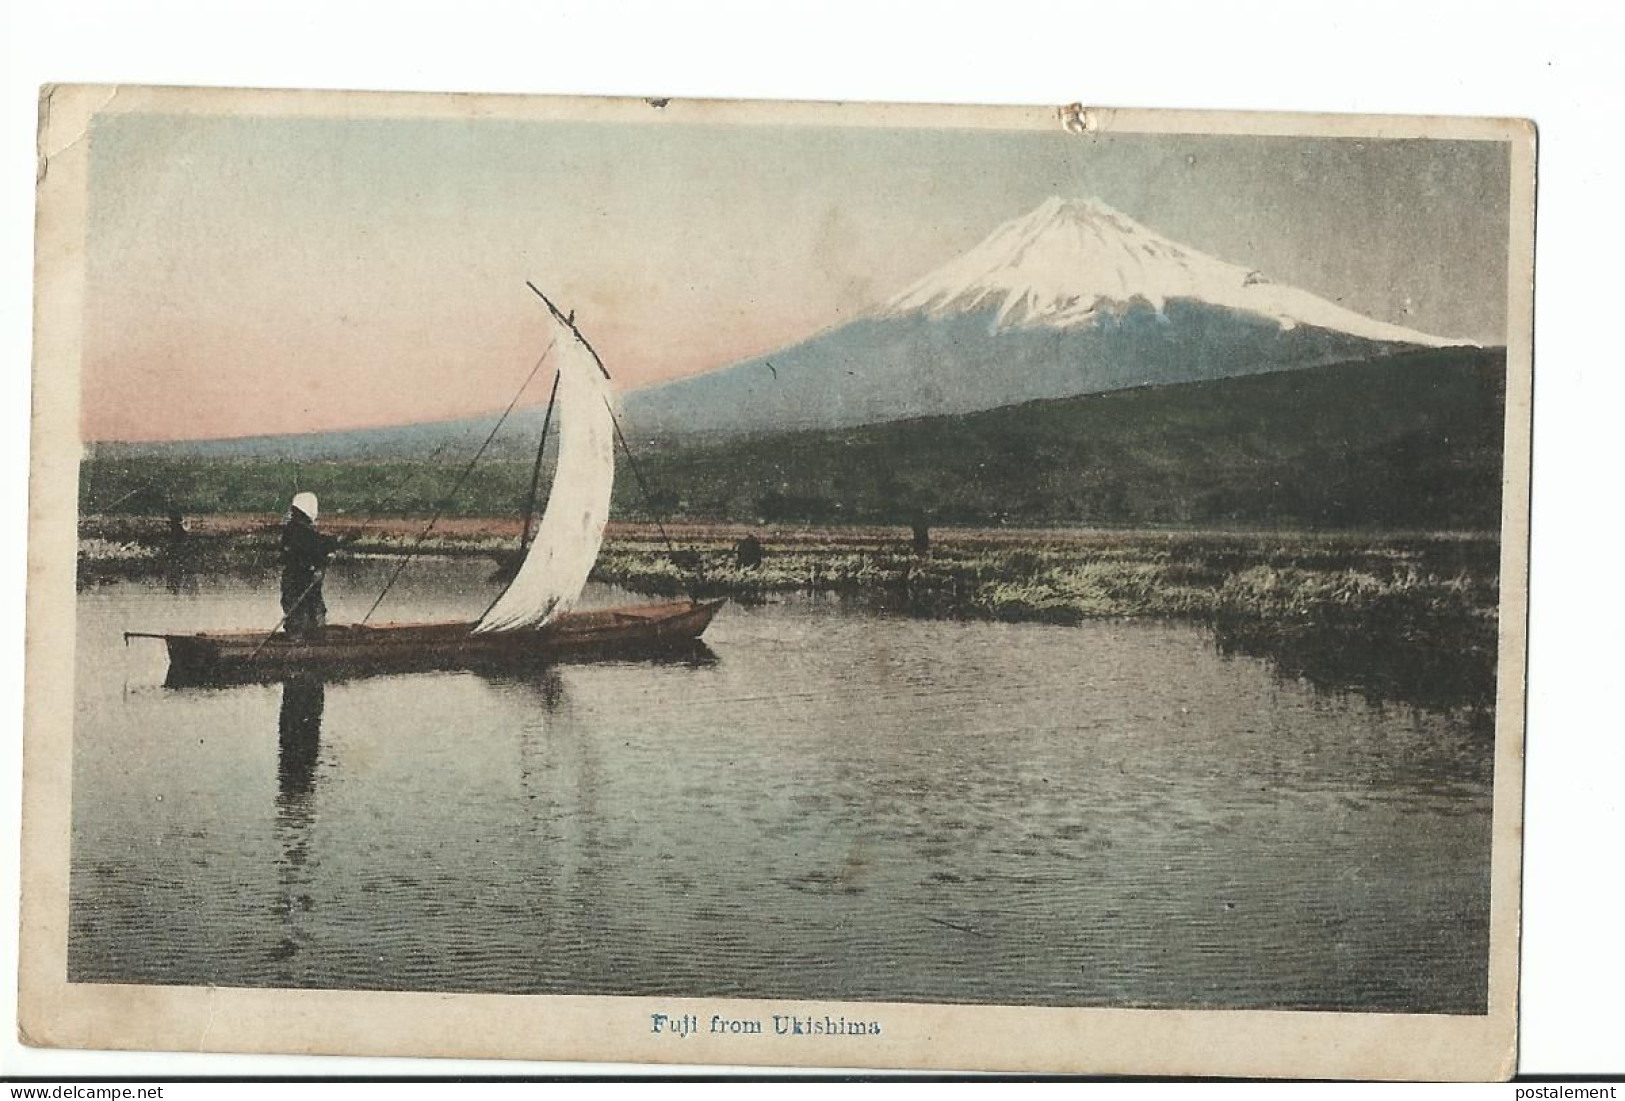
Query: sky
250, 276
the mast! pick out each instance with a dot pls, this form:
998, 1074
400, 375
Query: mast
536, 470
570, 323
620, 437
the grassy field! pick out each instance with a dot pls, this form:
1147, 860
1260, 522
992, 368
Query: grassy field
1408, 442
1410, 617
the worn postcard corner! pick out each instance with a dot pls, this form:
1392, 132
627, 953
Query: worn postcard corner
676, 581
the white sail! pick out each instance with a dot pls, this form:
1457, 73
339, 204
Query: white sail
555, 570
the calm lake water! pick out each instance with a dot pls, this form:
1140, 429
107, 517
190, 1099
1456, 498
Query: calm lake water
838, 805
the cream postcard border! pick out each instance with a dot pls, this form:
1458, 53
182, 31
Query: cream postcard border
56, 1013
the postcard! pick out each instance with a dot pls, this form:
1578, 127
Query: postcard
777, 584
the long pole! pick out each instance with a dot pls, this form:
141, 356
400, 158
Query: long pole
317, 580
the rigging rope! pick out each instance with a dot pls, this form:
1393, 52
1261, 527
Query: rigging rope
436, 518
648, 502
461, 478
631, 460
530, 505
423, 465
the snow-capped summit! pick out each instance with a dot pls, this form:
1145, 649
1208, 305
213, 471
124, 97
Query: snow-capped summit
1070, 261
1072, 298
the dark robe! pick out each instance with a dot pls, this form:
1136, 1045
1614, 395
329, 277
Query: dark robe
304, 560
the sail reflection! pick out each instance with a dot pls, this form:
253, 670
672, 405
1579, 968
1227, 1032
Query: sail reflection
544, 684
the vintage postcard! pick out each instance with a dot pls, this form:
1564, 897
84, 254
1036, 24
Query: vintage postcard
1037, 589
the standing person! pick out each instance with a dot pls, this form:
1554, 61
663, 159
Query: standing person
305, 551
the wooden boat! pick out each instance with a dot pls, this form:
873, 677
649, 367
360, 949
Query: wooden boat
224, 657
530, 622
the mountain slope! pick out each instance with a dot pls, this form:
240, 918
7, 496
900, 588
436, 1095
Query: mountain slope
1409, 441
1073, 298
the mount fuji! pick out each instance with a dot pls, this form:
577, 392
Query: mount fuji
1072, 298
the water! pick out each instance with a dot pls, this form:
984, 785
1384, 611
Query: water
839, 805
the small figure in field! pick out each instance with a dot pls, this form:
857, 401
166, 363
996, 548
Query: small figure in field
177, 526
922, 538
305, 552
748, 552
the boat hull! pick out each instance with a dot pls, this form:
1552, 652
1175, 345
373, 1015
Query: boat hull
215, 657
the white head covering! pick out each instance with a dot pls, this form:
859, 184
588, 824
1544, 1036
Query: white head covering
306, 503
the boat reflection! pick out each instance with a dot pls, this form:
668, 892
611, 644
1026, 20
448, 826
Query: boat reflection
693, 653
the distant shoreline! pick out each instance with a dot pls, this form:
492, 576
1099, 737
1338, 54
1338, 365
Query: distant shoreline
484, 532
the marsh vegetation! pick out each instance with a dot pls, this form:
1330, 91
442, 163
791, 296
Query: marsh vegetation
1404, 616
